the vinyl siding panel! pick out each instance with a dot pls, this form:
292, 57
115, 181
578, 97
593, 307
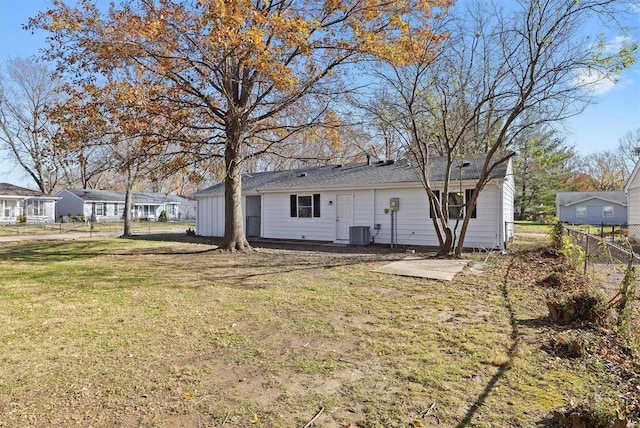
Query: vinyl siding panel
68, 204
277, 222
485, 230
414, 227
508, 205
633, 206
210, 216
594, 213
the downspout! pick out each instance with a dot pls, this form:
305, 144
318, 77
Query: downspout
502, 240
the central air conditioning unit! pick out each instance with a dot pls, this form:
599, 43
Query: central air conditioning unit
359, 235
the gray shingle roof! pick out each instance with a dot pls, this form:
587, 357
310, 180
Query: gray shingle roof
7, 189
354, 175
92, 195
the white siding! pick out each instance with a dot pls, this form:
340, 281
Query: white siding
508, 207
633, 206
414, 227
210, 216
484, 231
278, 223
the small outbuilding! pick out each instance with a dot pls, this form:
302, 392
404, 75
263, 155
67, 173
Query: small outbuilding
381, 202
592, 207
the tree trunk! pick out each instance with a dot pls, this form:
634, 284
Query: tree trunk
128, 198
234, 235
446, 247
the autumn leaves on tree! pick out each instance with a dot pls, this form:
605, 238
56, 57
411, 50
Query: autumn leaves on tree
224, 75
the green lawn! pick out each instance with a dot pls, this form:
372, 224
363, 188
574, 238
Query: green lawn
140, 332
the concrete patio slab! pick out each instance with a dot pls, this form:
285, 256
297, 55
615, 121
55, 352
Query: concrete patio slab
442, 269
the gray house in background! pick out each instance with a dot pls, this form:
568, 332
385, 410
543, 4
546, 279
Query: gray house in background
592, 207
106, 205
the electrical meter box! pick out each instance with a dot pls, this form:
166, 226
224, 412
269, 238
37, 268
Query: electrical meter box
394, 204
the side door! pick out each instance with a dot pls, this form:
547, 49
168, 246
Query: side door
344, 216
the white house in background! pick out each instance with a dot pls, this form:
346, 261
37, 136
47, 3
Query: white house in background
592, 207
35, 206
632, 189
186, 207
106, 205
352, 204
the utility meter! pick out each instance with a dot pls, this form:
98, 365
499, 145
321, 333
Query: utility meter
394, 204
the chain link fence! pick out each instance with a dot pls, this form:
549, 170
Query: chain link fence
610, 256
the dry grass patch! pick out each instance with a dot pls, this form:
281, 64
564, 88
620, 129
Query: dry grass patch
115, 332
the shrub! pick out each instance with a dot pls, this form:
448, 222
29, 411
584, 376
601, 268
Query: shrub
162, 216
585, 304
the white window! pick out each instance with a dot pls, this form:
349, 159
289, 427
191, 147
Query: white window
581, 211
99, 208
607, 211
35, 208
457, 202
306, 206
7, 208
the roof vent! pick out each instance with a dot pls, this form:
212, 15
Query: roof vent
338, 166
304, 174
380, 162
390, 161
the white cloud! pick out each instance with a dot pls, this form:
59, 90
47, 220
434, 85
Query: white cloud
598, 83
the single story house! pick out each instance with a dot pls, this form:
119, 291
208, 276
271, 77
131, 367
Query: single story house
186, 207
21, 204
592, 207
107, 205
381, 202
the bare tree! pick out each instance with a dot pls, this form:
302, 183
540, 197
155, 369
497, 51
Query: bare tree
501, 73
629, 151
604, 171
26, 91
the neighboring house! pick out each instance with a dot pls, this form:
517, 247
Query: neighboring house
18, 203
106, 205
187, 207
632, 190
592, 207
352, 203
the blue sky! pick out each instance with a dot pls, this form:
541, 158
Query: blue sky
599, 128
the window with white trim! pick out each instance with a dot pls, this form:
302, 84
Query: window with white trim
457, 202
607, 211
581, 211
99, 208
305, 206
7, 208
35, 207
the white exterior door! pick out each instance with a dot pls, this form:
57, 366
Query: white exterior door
344, 216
